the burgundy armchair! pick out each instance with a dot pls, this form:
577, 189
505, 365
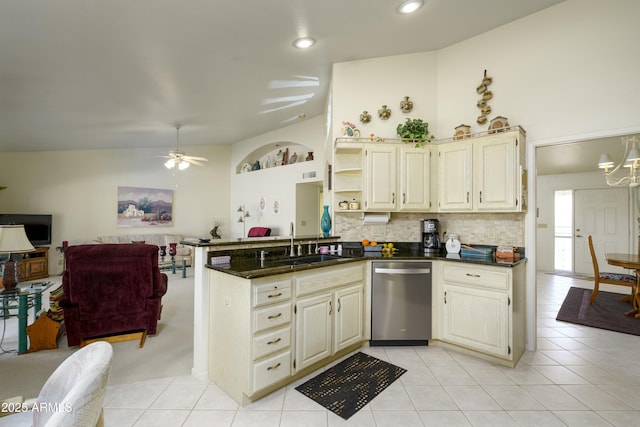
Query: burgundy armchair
111, 289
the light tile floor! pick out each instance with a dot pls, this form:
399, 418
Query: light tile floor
578, 376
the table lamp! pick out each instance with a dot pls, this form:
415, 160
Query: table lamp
13, 239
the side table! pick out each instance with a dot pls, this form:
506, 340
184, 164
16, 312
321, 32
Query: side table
17, 302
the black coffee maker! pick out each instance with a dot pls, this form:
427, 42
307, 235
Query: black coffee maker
430, 235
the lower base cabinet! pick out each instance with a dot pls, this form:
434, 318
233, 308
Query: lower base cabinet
328, 323
477, 319
483, 310
267, 332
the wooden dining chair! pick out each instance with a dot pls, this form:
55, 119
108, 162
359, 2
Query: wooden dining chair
610, 278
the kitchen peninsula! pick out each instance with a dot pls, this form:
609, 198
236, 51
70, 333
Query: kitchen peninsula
263, 320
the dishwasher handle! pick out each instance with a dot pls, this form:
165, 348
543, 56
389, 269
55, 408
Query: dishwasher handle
382, 270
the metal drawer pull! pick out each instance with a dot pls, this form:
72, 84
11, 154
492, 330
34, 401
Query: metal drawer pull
473, 275
276, 366
274, 341
274, 316
279, 294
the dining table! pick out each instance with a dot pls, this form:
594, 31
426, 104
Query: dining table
631, 262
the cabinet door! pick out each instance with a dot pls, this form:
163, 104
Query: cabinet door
348, 319
313, 329
381, 174
496, 179
455, 177
415, 182
477, 319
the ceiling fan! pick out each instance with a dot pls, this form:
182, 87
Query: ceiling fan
179, 158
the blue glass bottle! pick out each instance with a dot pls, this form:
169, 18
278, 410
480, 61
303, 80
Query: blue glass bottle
325, 222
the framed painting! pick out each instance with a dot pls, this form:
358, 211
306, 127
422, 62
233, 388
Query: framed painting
144, 207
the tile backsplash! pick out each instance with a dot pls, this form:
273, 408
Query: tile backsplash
472, 228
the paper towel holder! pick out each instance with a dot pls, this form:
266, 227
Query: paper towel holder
379, 218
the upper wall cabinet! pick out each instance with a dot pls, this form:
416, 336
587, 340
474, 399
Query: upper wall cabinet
483, 174
480, 174
383, 177
398, 178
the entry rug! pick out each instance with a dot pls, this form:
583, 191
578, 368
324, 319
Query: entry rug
348, 386
607, 311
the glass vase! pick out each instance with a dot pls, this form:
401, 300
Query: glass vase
325, 222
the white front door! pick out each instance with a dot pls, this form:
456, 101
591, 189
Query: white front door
603, 214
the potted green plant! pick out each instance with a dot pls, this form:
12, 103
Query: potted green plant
414, 131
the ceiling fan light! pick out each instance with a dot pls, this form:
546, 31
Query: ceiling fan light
409, 6
170, 164
183, 165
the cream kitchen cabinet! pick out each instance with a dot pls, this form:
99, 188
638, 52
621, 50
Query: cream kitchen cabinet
250, 342
455, 177
415, 178
483, 174
483, 309
329, 313
398, 178
381, 177
265, 332
497, 161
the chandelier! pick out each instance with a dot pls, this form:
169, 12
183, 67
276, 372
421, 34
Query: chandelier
616, 175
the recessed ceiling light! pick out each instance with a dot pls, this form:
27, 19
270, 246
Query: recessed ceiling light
304, 42
409, 6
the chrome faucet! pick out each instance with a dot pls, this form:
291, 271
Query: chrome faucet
291, 252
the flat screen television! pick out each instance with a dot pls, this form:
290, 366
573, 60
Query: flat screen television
37, 227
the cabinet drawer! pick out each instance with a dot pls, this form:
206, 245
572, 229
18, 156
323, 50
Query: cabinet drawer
271, 316
271, 370
477, 276
327, 278
267, 293
271, 342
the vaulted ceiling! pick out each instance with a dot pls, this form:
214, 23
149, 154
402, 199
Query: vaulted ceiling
80, 74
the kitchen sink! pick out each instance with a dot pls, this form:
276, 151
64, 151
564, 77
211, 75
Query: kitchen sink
311, 259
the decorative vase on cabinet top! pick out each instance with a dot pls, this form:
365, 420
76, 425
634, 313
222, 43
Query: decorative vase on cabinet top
325, 222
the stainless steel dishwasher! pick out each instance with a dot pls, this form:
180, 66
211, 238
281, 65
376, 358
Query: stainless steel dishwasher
401, 303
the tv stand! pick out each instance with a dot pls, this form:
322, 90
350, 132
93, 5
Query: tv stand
35, 265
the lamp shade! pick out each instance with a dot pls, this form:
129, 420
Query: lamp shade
633, 155
605, 161
13, 239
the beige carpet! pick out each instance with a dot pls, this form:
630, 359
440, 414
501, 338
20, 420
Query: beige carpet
168, 353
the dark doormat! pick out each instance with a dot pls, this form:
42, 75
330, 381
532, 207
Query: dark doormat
607, 311
348, 386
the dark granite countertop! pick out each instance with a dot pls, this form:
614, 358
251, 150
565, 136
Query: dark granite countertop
246, 264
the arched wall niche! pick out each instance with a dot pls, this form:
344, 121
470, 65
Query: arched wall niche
275, 154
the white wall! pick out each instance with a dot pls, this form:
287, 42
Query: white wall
80, 189
568, 70
274, 184
566, 73
368, 84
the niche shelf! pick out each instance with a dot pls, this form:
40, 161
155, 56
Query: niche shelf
274, 155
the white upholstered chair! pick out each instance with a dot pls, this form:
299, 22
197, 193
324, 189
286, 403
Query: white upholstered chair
73, 395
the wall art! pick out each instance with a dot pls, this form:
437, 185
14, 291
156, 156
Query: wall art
144, 207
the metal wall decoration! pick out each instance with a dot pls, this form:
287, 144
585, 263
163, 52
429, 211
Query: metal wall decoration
365, 117
485, 109
384, 112
406, 105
